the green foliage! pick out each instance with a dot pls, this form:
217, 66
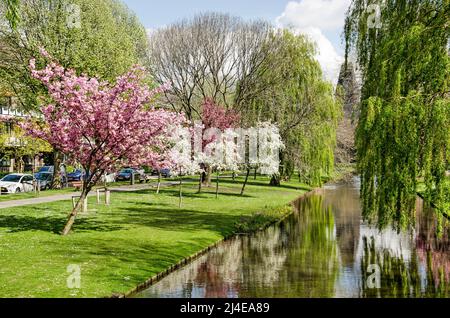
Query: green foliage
301, 103
105, 41
11, 12
17, 144
404, 126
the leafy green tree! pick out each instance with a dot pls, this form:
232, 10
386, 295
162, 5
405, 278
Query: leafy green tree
99, 38
16, 144
11, 11
295, 96
404, 126
102, 39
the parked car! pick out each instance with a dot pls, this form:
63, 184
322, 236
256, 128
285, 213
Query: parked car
16, 183
165, 173
44, 179
125, 175
110, 177
77, 175
49, 169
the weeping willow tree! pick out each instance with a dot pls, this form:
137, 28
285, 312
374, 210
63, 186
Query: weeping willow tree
403, 134
294, 95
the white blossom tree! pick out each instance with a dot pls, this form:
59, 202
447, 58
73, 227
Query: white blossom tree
181, 157
223, 154
265, 143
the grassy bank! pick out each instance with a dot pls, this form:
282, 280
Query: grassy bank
120, 246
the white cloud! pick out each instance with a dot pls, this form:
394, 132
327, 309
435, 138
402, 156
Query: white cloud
323, 14
329, 59
312, 17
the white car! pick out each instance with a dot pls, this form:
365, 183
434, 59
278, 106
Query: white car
16, 183
110, 177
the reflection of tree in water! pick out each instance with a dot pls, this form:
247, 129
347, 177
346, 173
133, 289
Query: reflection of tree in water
219, 273
424, 274
346, 207
433, 249
212, 275
303, 260
398, 278
264, 257
315, 250
300, 257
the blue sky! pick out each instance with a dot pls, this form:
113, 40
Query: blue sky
154, 14
321, 20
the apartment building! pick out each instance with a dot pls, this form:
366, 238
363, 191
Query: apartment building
8, 115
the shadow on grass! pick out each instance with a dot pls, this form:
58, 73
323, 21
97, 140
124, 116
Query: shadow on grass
206, 193
15, 223
177, 219
147, 214
53, 223
266, 184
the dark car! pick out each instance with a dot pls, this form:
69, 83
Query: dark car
165, 173
48, 169
125, 175
77, 175
44, 179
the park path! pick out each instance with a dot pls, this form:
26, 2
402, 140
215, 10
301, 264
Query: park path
68, 196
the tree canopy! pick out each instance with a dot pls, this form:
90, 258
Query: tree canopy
294, 95
403, 132
100, 38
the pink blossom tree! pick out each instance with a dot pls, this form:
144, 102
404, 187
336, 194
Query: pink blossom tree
99, 125
214, 117
159, 157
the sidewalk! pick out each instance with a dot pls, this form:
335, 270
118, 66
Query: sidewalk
68, 196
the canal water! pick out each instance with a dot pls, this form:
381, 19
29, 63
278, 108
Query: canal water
324, 249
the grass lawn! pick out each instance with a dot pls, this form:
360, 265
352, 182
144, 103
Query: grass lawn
120, 246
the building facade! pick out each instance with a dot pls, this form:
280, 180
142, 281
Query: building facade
8, 121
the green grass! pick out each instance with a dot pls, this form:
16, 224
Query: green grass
120, 246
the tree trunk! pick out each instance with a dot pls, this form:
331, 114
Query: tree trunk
181, 193
254, 177
73, 214
245, 182
56, 180
217, 184
200, 183
275, 181
132, 178
208, 176
159, 182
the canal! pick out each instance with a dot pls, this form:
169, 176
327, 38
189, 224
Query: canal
324, 249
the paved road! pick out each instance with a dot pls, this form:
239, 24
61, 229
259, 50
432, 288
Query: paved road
68, 196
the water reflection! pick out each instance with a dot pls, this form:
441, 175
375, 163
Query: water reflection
322, 250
